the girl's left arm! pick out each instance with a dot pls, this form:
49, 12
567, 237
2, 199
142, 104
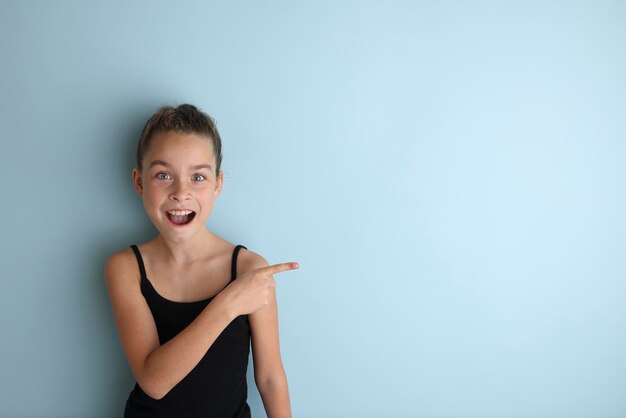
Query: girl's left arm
269, 373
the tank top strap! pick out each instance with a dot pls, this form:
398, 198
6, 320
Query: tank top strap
234, 264
142, 268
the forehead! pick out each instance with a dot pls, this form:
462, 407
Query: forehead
178, 147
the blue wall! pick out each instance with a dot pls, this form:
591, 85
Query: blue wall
450, 176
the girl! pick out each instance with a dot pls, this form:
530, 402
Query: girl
188, 302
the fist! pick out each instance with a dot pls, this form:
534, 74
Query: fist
251, 291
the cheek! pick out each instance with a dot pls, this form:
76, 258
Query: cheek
153, 193
155, 187
207, 198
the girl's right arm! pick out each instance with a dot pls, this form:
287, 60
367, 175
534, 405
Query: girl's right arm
158, 368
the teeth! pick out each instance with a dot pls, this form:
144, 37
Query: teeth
179, 212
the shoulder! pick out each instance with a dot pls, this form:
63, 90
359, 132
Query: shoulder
249, 260
120, 263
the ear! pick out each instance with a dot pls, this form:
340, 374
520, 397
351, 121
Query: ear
137, 181
219, 182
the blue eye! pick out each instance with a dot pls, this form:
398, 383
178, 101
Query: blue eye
159, 175
200, 175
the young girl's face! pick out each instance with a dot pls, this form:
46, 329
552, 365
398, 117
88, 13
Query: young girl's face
178, 174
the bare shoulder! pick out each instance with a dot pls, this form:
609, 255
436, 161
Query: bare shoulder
121, 264
249, 260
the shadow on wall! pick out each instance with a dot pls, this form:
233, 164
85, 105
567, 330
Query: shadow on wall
119, 132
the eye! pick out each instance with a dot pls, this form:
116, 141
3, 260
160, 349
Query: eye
200, 175
159, 175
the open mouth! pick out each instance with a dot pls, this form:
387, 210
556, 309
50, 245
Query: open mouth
180, 217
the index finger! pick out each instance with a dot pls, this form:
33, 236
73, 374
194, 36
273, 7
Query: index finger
277, 268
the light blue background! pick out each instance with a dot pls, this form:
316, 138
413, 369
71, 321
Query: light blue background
450, 176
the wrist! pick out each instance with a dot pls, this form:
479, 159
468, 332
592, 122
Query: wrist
225, 307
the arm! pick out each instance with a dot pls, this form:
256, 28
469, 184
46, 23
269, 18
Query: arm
269, 373
157, 368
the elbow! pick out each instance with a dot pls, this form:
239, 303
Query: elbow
157, 396
152, 390
271, 382
152, 384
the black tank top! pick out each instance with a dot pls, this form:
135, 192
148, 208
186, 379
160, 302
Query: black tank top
217, 386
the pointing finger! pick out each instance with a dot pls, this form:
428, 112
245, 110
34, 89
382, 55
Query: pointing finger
277, 268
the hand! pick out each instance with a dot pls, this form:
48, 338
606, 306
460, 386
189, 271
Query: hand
251, 291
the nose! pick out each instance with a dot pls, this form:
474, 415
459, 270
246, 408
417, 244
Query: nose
179, 192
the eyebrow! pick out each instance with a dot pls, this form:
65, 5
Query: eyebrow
163, 163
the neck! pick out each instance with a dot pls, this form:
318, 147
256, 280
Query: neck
184, 252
